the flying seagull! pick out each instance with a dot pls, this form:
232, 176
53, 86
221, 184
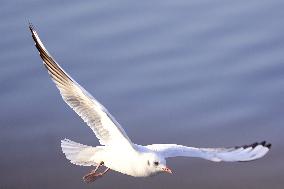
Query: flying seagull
117, 152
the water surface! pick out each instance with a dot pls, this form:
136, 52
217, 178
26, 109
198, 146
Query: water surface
198, 73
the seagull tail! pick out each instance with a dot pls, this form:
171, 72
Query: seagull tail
77, 153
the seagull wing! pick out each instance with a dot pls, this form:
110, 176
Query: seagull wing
103, 124
239, 153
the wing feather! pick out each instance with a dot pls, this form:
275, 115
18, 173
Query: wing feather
105, 127
240, 153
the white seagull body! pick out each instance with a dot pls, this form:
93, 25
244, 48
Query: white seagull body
117, 152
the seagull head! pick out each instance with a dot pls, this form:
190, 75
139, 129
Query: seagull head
156, 164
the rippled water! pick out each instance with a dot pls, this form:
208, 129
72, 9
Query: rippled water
198, 73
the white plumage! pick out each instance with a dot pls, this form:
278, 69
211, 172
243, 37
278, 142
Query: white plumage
117, 151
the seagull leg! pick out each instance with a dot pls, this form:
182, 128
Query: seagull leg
101, 174
92, 176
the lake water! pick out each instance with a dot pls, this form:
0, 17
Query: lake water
199, 73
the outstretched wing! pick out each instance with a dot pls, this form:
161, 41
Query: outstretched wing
239, 153
105, 127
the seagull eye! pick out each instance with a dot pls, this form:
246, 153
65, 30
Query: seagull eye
156, 163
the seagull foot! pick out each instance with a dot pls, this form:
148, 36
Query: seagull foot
92, 176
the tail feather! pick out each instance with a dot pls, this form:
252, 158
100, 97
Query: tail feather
77, 153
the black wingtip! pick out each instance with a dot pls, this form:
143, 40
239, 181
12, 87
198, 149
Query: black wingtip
31, 27
263, 143
254, 145
269, 146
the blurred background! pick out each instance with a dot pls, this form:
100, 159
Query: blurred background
193, 72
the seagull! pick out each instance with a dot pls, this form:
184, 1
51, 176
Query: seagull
116, 151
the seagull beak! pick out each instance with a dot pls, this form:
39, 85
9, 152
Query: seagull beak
167, 170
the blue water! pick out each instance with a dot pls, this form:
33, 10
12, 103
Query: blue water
199, 73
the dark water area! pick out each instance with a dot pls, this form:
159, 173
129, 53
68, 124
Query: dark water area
198, 73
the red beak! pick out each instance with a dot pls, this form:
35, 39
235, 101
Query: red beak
167, 170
